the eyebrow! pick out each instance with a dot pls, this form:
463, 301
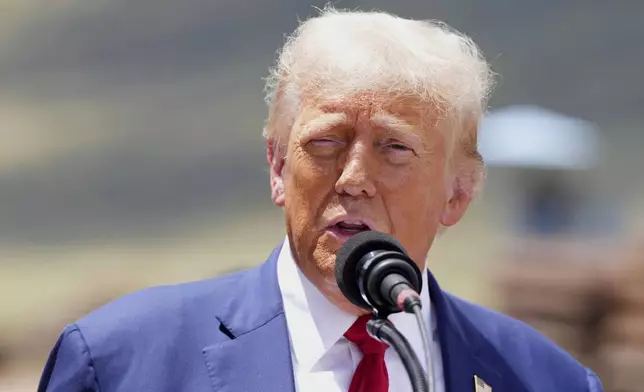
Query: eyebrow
396, 125
325, 121
386, 121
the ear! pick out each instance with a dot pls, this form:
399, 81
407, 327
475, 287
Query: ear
469, 174
459, 199
275, 159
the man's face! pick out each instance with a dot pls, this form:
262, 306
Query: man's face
363, 163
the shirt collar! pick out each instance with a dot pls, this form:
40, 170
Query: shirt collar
315, 324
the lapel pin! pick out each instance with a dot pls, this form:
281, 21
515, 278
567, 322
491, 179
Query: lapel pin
480, 385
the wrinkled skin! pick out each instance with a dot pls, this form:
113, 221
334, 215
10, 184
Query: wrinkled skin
366, 157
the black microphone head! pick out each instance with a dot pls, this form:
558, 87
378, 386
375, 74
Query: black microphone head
350, 260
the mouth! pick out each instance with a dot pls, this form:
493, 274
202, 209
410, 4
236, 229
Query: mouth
344, 228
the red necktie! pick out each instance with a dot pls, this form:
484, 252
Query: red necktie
371, 374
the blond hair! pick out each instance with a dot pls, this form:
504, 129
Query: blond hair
341, 52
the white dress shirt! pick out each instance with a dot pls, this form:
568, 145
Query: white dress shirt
323, 359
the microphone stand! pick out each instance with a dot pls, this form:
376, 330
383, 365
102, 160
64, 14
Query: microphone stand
422, 325
384, 331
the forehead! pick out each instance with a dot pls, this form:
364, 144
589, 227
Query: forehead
403, 113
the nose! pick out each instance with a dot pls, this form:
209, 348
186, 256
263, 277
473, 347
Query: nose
356, 178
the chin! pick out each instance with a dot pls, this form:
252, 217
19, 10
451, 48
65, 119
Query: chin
324, 254
326, 268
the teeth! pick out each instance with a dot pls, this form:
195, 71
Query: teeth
353, 225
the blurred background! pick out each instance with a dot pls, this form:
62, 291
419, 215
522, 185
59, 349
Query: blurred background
132, 155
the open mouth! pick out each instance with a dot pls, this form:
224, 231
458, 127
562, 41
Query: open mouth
348, 228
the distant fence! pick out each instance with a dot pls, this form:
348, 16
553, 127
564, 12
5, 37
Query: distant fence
590, 302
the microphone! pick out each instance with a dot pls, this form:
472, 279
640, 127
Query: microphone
374, 272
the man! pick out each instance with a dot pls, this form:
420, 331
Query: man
372, 125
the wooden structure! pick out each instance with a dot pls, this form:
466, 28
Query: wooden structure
590, 303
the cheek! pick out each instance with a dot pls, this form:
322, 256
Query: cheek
307, 184
416, 207
307, 190
415, 201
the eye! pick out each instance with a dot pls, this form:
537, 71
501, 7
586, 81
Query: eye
324, 147
398, 153
398, 147
324, 142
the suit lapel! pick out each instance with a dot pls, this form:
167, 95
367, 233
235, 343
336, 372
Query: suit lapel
466, 353
257, 361
461, 365
257, 357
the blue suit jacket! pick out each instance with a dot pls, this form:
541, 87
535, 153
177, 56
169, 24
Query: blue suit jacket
229, 334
